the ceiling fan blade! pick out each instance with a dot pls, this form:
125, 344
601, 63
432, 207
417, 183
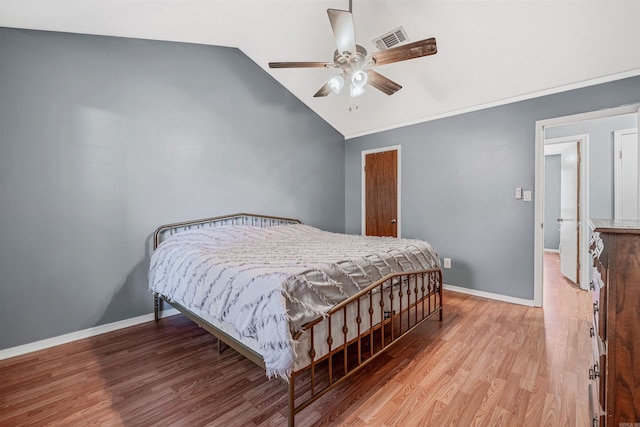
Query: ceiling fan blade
324, 91
382, 83
343, 31
407, 51
301, 65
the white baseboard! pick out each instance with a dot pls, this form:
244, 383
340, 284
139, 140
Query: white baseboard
91, 332
555, 251
483, 294
75, 336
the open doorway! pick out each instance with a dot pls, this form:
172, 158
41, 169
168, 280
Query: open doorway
564, 205
597, 177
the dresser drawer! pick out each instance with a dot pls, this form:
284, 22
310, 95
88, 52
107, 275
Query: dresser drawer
598, 345
595, 410
596, 245
599, 298
597, 370
599, 319
598, 274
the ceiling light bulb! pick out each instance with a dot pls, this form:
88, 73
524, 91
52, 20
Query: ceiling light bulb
355, 90
336, 83
359, 78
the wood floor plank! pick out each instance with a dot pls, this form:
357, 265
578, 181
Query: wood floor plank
489, 402
489, 363
474, 399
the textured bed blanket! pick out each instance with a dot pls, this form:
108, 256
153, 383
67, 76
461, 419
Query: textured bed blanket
268, 282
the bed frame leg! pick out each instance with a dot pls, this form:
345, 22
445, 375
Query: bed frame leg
292, 402
156, 307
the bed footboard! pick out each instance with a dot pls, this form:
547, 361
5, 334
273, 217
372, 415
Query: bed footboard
382, 314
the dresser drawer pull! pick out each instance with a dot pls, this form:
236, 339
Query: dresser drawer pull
594, 372
592, 332
591, 286
596, 307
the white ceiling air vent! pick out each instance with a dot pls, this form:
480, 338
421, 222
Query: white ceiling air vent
392, 38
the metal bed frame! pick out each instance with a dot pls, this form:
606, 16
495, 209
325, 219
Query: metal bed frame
390, 320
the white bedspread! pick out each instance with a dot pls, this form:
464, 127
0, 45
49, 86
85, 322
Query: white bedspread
268, 282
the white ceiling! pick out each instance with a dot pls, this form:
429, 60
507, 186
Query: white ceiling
489, 52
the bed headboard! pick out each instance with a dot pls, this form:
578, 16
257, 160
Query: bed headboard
167, 230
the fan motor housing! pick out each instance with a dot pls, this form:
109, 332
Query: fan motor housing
343, 59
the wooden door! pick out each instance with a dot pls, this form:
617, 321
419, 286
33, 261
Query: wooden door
381, 193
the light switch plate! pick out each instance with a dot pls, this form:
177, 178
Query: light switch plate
518, 193
527, 196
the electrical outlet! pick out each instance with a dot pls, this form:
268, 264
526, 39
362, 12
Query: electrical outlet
518, 193
447, 263
527, 196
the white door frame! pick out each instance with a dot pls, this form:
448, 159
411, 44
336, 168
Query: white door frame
538, 242
583, 201
363, 190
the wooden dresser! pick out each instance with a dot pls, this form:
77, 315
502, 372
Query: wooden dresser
614, 390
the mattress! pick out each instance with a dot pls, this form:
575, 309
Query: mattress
264, 284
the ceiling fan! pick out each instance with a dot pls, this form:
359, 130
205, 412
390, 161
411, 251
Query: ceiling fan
355, 64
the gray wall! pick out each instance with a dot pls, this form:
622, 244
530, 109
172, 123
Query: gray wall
552, 201
459, 176
600, 146
103, 139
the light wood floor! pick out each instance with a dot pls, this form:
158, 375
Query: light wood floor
488, 363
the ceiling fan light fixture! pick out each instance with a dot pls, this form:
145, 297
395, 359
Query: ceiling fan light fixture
359, 78
336, 83
355, 90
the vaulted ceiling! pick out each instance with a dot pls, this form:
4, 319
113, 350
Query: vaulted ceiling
489, 52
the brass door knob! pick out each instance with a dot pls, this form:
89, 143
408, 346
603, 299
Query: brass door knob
393, 221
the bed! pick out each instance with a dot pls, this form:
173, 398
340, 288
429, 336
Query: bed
309, 306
